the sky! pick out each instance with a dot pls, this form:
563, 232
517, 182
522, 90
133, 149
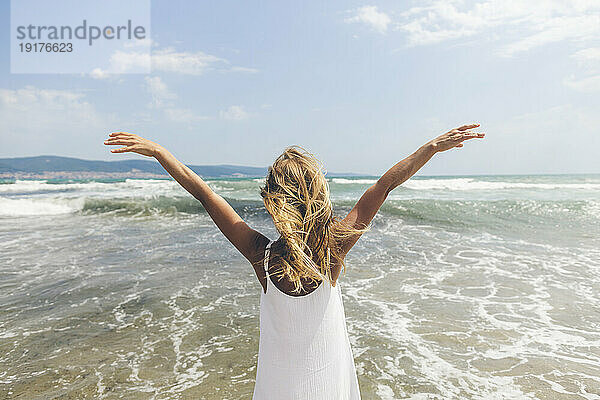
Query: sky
360, 84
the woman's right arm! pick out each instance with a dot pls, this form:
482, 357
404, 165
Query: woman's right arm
248, 241
365, 209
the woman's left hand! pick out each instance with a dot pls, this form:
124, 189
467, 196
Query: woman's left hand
133, 143
455, 138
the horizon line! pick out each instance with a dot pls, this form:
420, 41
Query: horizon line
339, 174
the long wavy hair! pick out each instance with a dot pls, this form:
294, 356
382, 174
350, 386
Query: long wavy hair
296, 195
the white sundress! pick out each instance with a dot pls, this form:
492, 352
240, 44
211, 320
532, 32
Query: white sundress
304, 350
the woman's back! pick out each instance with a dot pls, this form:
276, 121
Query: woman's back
304, 347
304, 350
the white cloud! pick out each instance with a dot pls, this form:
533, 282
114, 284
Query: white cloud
234, 113
589, 54
123, 62
244, 69
43, 121
535, 23
588, 84
163, 98
372, 17
43, 103
161, 95
169, 60
588, 59
98, 73
556, 29
166, 60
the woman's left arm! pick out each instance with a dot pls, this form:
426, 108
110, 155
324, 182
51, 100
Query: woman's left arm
368, 205
245, 239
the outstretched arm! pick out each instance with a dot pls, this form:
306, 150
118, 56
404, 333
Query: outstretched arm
244, 238
365, 209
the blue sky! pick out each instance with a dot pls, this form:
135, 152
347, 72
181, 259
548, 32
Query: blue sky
360, 84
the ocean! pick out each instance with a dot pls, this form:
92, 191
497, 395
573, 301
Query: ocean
466, 287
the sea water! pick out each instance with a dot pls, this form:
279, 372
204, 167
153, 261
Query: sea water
470, 287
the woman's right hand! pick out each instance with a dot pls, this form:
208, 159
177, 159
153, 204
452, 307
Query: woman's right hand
133, 143
455, 137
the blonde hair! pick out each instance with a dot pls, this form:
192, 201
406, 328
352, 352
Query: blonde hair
296, 195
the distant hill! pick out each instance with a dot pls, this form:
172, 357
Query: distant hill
48, 167
55, 164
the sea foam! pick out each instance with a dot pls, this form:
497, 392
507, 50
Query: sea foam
32, 207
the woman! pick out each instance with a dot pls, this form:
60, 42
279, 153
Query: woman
304, 350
